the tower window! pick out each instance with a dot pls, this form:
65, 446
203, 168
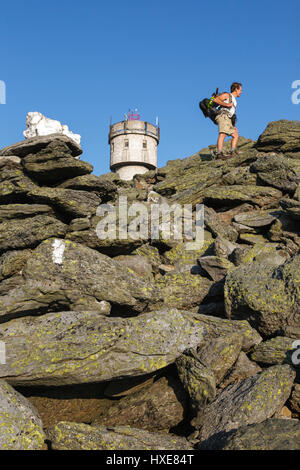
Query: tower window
145, 144
126, 143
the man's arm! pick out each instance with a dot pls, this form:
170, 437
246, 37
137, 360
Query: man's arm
220, 100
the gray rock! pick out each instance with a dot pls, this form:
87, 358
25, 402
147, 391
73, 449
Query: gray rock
266, 296
36, 144
60, 274
157, 407
72, 203
85, 347
54, 163
136, 263
274, 351
278, 171
32, 230
21, 426
217, 226
242, 369
100, 185
272, 434
283, 136
215, 266
250, 401
255, 219
262, 196
77, 436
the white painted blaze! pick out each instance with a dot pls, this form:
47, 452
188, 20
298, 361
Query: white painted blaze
58, 251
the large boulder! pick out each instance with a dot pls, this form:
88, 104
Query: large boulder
70, 202
54, 163
266, 296
280, 136
14, 185
21, 426
84, 347
60, 274
35, 144
77, 436
30, 232
278, 171
158, 407
250, 401
262, 196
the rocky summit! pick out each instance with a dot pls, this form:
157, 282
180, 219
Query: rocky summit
113, 341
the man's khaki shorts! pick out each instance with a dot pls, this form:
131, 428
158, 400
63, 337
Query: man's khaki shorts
225, 124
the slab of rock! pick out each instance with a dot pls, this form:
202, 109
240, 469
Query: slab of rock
137, 264
182, 289
14, 185
264, 197
158, 407
30, 232
21, 426
291, 207
214, 223
12, 262
255, 219
215, 266
202, 369
294, 401
60, 274
266, 296
54, 163
250, 401
85, 347
278, 171
280, 136
199, 382
274, 351
104, 188
76, 436
216, 327
35, 144
20, 211
242, 369
223, 247
72, 203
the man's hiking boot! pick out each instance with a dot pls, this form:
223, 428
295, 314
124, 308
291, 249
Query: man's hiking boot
234, 153
222, 156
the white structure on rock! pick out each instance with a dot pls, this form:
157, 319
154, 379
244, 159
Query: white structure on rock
38, 124
133, 147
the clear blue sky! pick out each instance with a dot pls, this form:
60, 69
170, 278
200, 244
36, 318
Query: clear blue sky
82, 62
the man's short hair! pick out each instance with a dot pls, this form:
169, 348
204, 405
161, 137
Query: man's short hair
235, 86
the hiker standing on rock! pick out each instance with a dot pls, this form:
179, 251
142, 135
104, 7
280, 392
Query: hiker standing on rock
226, 120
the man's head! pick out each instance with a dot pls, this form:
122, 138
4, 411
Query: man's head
236, 88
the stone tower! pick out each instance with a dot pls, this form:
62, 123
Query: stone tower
133, 147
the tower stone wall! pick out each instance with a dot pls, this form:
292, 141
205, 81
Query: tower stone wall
133, 147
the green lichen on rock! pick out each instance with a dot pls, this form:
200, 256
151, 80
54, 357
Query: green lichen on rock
250, 401
77, 436
80, 347
20, 425
268, 297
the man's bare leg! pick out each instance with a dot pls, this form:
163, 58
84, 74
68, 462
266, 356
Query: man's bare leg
220, 142
235, 138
